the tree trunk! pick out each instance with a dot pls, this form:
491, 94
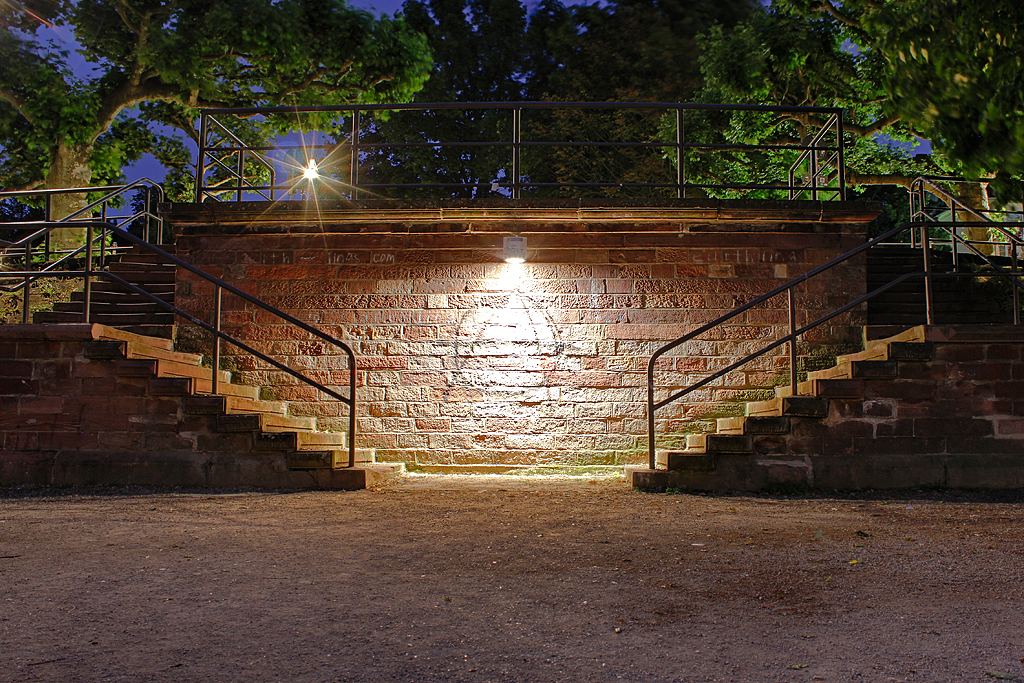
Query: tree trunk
975, 195
69, 168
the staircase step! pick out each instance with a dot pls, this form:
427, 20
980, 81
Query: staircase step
120, 320
730, 425
184, 386
335, 459
146, 367
104, 332
729, 443
105, 286
119, 296
147, 276
240, 404
769, 407
137, 266
205, 386
170, 386
231, 405
873, 369
826, 388
133, 307
56, 317
763, 424
255, 422
910, 351
140, 350
104, 350
293, 441
165, 331
804, 406
691, 462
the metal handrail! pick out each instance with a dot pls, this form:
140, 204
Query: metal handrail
923, 185
239, 170
794, 332
513, 182
219, 287
814, 175
113, 192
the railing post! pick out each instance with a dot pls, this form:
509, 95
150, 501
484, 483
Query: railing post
46, 216
953, 242
216, 339
914, 204
926, 250
353, 173
680, 157
794, 385
352, 410
1016, 281
87, 292
842, 156
103, 234
200, 158
651, 456
814, 169
240, 171
25, 296
517, 139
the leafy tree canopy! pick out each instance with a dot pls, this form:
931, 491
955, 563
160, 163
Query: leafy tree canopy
944, 70
494, 50
158, 62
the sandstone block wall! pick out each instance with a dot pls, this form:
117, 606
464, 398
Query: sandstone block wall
465, 359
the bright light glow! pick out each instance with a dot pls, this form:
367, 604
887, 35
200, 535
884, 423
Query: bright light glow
310, 172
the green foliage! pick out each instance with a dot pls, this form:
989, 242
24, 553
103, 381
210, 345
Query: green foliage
957, 69
945, 70
159, 62
490, 50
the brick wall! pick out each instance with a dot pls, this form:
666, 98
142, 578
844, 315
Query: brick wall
465, 359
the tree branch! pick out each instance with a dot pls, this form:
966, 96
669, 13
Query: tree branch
838, 15
16, 101
860, 131
854, 178
31, 185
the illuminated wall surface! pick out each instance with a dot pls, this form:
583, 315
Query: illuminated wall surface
463, 358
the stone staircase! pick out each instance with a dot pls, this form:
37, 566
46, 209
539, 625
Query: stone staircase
931, 406
114, 306
91, 404
955, 300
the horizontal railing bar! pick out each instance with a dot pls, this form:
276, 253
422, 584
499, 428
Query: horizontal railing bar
501, 144
439, 106
228, 189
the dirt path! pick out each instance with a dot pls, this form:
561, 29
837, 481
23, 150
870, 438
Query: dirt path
508, 579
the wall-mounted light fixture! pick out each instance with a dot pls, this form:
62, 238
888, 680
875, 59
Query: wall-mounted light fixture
514, 249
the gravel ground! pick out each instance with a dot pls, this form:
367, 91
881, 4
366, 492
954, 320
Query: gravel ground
491, 578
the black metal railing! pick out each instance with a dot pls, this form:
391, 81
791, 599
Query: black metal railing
36, 247
789, 290
229, 169
930, 201
220, 286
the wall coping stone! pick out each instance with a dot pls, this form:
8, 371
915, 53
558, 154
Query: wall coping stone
528, 215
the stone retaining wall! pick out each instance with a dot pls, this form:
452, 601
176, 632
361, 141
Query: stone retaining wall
463, 358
